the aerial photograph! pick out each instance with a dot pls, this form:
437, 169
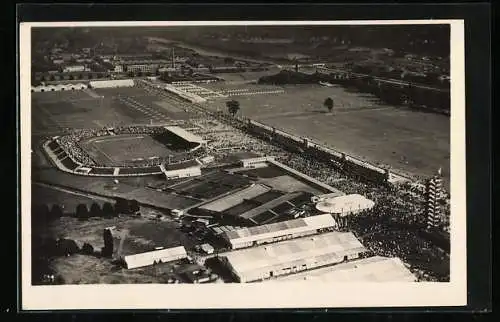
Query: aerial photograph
240, 154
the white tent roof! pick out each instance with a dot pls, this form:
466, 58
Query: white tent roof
293, 226
144, 259
345, 204
294, 252
372, 269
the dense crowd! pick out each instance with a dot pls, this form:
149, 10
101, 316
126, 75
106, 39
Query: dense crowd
71, 144
392, 228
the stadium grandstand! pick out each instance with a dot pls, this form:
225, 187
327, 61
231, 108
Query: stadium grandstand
371, 269
292, 256
257, 235
258, 204
187, 136
268, 209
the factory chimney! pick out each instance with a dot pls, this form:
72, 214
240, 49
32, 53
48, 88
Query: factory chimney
173, 58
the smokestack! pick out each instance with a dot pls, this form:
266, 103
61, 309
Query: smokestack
173, 58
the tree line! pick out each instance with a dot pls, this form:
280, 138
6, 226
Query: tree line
42, 213
409, 95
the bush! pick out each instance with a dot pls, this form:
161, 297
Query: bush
87, 249
67, 247
95, 210
108, 210
56, 211
107, 250
134, 206
82, 212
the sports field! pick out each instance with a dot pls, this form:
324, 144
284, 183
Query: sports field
413, 142
122, 148
51, 112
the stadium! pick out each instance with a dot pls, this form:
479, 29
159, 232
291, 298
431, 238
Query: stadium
123, 151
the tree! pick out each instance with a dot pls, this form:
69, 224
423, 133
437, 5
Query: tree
108, 210
87, 249
134, 206
233, 107
95, 210
121, 206
48, 247
82, 212
328, 104
107, 250
40, 214
56, 211
67, 247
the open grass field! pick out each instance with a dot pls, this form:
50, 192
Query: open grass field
122, 148
130, 188
413, 142
56, 110
51, 112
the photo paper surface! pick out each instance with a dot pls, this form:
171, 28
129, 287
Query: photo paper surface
198, 165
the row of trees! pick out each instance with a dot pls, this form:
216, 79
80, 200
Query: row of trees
43, 213
73, 76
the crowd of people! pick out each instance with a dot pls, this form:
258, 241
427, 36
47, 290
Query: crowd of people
70, 144
390, 229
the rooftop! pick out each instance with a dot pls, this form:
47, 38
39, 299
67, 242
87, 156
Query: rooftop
280, 228
188, 136
295, 252
372, 269
344, 204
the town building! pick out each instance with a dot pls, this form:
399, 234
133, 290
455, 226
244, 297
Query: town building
74, 68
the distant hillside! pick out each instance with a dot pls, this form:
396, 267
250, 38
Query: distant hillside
291, 77
418, 39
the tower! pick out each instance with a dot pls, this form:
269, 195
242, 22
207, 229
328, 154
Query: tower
173, 58
434, 194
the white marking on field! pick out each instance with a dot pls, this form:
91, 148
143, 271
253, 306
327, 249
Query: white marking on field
120, 139
91, 93
98, 123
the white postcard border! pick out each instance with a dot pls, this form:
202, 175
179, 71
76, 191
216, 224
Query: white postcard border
307, 294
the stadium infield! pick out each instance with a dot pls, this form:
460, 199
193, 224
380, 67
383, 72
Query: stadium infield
125, 148
411, 142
